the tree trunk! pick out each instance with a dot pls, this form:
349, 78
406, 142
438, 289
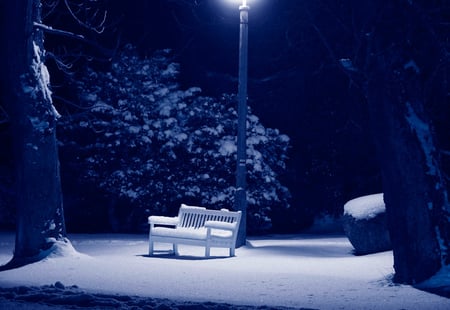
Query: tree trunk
414, 189
40, 219
414, 197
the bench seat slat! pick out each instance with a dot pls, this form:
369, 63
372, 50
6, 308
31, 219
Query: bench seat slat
163, 220
187, 233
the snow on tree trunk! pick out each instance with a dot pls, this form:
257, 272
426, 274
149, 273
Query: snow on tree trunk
40, 220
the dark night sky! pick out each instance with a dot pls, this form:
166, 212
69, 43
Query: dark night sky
204, 37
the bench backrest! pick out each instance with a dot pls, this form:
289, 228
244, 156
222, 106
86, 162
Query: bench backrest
195, 217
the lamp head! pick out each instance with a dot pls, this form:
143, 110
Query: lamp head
242, 2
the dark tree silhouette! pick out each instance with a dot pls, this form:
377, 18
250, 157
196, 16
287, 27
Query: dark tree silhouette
402, 66
40, 221
395, 55
398, 54
28, 104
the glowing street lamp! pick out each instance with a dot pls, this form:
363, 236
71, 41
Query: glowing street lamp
240, 200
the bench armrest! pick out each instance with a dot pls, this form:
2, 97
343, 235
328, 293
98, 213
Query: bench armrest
163, 220
220, 225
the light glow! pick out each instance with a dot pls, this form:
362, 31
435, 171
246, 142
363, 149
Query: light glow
237, 3
243, 2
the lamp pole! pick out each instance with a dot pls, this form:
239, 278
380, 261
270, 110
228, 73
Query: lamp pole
241, 171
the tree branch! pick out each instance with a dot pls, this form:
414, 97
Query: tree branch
51, 5
97, 28
60, 32
346, 66
48, 29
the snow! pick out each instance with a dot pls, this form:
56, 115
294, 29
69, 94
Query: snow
198, 234
284, 138
365, 207
193, 91
43, 78
41, 73
298, 271
423, 132
134, 129
38, 124
227, 147
347, 64
171, 70
219, 197
181, 136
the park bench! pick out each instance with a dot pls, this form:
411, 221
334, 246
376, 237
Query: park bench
196, 226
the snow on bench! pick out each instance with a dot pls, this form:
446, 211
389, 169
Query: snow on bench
196, 226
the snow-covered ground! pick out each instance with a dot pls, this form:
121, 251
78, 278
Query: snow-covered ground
299, 271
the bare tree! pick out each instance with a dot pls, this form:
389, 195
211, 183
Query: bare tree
40, 227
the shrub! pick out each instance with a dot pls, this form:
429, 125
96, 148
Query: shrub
149, 145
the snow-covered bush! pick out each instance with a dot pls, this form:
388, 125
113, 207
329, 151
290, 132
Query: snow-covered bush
151, 145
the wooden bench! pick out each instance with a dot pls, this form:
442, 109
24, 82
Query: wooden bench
196, 226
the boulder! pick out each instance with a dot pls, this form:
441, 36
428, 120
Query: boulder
365, 224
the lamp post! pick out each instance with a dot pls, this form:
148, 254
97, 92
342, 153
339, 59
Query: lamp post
241, 171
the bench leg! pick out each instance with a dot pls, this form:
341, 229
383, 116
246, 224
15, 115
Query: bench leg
150, 247
175, 249
232, 252
207, 251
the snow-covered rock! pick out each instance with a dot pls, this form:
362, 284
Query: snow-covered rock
365, 224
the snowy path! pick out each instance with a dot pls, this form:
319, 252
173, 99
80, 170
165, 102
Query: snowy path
298, 271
